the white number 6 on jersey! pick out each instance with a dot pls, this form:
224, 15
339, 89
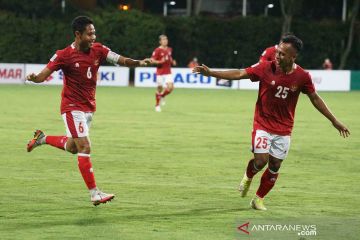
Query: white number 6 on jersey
88, 74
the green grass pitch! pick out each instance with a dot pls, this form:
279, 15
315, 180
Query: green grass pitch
175, 173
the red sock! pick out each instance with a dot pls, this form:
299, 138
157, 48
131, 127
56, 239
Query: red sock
157, 97
166, 92
86, 170
56, 141
268, 180
251, 170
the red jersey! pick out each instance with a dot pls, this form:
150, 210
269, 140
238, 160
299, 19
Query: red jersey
161, 54
278, 96
268, 54
80, 76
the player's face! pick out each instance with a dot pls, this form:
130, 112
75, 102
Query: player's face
88, 37
285, 55
164, 41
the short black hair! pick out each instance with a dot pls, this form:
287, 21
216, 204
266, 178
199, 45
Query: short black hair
293, 40
79, 23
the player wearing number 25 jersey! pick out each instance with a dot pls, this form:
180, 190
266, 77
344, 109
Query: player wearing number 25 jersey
280, 83
80, 64
278, 95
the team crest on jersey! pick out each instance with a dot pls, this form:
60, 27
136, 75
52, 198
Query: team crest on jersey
293, 88
96, 62
77, 65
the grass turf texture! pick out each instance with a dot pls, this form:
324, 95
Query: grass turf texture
175, 173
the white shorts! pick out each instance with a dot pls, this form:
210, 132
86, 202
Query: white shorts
161, 79
77, 123
276, 145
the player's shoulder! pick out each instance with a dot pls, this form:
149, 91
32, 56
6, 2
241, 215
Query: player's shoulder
158, 49
267, 64
272, 48
301, 72
262, 64
99, 46
65, 51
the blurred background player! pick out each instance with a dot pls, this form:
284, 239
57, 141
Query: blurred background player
281, 82
193, 63
268, 54
80, 63
162, 58
327, 65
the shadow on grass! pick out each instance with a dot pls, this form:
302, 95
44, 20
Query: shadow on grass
97, 217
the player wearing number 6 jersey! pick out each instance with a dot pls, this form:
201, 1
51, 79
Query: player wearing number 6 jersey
280, 83
80, 63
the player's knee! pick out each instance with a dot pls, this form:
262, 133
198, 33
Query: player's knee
71, 147
73, 150
275, 165
84, 148
260, 163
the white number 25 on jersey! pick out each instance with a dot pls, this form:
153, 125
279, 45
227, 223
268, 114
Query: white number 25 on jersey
282, 92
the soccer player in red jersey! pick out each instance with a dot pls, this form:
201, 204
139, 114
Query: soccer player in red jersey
268, 54
162, 57
80, 63
281, 82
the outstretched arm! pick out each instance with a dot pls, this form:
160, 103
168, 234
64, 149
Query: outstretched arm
157, 62
128, 62
320, 105
38, 78
228, 75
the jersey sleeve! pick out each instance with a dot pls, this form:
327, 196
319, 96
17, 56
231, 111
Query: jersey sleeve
104, 51
308, 85
108, 55
56, 61
256, 71
156, 55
